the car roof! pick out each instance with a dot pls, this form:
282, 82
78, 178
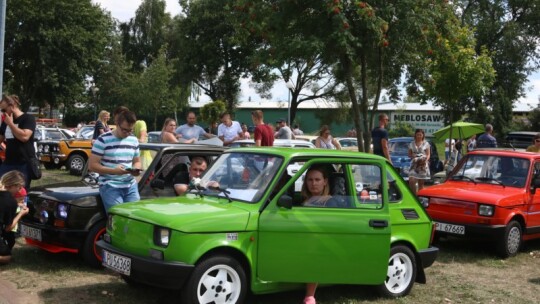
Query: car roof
158, 146
529, 133
505, 152
306, 152
279, 142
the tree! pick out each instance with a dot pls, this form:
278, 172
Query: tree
207, 50
152, 90
145, 34
510, 32
211, 112
51, 46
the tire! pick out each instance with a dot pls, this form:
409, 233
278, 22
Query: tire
217, 279
76, 164
401, 273
511, 243
90, 252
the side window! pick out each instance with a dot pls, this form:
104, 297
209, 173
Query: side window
323, 185
394, 194
367, 186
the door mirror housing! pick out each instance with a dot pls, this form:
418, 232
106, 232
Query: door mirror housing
285, 201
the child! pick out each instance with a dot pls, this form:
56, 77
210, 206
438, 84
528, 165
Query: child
20, 197
10, 184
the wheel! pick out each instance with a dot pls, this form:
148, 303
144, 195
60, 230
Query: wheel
76, 164
50, 166
90, 252
401, 273
217, 279
511, 242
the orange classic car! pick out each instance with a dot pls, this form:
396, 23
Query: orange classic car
490, 194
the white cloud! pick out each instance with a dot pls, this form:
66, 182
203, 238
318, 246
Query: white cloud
123, 10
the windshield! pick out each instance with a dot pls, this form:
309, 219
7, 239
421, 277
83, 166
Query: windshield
503, 170
398, 147
245, 176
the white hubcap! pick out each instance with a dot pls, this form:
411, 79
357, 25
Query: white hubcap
219, 284
399, 273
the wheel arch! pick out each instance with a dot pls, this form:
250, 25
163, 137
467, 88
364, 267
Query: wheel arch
79, 152
232, 252
420, 274
520, 219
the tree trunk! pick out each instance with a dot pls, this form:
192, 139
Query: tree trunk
346, 63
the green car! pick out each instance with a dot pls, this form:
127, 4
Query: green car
244, 227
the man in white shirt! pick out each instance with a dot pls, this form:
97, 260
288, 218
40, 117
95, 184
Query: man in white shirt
229, 130
448, 147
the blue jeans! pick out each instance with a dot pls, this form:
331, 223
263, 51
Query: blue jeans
5, 168
111, 196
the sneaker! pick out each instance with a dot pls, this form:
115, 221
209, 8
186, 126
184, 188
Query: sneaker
309, 300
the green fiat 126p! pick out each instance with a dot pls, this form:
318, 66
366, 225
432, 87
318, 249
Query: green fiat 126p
252, 224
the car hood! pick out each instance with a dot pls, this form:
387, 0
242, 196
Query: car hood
479, 192
188, 213
400, 159
70, 192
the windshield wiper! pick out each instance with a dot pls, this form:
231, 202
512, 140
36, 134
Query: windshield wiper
222, 190
489, 179
463, 177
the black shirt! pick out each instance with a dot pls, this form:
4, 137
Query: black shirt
18, 152
377, 136
8, 209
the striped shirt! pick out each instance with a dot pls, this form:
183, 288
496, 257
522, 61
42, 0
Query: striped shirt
116, 151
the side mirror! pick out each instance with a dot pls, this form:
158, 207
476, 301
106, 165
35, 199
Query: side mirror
285, 201
157, 183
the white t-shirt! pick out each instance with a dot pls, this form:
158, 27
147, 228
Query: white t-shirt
447, 146
229, 133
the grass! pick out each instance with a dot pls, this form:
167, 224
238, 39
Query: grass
466, 271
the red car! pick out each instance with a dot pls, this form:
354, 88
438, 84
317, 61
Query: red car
489, 194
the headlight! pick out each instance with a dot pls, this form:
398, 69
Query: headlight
43, 217
62, 211
162, 236
424, 201
486, 210
40, 148
110, 222
46, 148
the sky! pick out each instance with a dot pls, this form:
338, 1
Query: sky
123, 10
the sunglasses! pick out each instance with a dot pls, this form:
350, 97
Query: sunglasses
537, 140
128, 131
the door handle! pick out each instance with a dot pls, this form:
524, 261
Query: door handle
378, 223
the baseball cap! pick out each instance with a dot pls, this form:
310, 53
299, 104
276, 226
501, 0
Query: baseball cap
21, 193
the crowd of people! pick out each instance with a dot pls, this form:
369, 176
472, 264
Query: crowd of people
116, 157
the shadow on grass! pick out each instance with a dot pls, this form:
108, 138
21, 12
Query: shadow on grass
462, 250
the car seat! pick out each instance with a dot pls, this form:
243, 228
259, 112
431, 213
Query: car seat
338, 190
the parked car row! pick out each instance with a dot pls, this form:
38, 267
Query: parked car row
377, 233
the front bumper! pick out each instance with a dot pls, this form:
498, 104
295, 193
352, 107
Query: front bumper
493, 232
158, 273
56, 158
57, 240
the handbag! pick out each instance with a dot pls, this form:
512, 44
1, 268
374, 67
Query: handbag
35, 168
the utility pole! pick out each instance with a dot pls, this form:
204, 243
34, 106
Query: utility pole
2, 32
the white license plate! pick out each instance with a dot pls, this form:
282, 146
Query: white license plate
449, 228
117, 262
31, 233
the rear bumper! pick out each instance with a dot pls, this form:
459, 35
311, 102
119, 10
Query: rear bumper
428, 256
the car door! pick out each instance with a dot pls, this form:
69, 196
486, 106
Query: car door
533, 209
348, 245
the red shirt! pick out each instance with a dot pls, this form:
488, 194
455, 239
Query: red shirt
265, 134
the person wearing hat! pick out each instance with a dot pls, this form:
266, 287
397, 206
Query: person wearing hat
284, 131
17, 130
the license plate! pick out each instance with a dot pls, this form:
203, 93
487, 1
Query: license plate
117, 262
449, 228
31, 233
45, 158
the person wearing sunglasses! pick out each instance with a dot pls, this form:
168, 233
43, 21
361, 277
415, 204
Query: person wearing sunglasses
535, 147
116, 157
17, 130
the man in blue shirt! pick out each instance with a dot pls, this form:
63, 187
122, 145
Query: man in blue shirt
487, 140
191, 132
379, 136
116, 157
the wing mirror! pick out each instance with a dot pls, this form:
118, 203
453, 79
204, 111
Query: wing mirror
285, 201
